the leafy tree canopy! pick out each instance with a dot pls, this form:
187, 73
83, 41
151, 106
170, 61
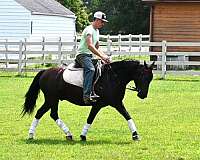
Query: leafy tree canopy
80, 10
125, 16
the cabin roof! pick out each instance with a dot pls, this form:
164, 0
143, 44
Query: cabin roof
47, 7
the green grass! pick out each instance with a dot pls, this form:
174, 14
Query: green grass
135, 57
168, 122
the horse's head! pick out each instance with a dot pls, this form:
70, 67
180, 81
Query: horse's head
143, 79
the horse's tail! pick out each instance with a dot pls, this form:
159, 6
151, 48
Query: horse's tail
32, 95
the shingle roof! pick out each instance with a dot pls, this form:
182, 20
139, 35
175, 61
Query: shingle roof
49, 7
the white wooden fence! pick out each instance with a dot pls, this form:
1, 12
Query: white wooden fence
58, 52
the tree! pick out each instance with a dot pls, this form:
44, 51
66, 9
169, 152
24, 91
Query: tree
80, 10
125, 17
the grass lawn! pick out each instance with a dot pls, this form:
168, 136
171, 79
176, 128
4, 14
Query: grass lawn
168, 122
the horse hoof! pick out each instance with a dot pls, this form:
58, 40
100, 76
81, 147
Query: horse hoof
30, 139
83, 138
135, 136
70, 138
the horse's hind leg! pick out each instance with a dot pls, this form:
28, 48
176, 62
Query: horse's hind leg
53, 104
59, 122
44, 108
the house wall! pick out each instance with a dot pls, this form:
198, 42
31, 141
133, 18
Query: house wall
53, 26
14, 20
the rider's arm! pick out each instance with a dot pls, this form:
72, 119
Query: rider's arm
91, 47
95, 50
97, 45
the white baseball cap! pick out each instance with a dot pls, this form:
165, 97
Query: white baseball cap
100, 15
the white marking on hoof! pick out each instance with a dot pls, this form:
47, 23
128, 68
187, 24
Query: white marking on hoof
31, 135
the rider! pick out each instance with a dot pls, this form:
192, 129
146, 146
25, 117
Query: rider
89, 46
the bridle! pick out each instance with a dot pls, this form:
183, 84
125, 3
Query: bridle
132, 88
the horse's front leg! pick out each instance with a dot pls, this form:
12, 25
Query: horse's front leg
92, 115
122, 110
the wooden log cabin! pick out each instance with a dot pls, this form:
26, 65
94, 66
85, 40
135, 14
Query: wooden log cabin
175, 21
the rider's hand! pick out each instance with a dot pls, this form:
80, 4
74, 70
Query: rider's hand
106, 59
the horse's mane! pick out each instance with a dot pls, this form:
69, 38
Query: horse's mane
123, 70
121, 66
125, 63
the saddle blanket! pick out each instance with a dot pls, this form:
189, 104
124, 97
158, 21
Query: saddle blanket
73, 75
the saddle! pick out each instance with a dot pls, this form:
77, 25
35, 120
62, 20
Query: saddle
73, 73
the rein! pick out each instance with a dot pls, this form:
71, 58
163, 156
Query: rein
116, 76
132, 88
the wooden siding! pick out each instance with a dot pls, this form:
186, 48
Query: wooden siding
176, 22
53, 26
14, 20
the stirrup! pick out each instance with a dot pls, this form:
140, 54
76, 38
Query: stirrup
88, 100
94, 97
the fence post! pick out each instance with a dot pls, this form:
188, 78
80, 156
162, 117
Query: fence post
43, 54
119, 41
130, 39
6, 53
164, 59
140, 44
109, 45
59, 52
25, 56
20, 58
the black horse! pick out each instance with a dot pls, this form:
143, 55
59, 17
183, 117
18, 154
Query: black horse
110, 87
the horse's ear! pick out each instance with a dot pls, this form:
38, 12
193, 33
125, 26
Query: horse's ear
152, 65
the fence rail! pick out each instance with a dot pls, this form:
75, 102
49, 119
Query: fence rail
18, 56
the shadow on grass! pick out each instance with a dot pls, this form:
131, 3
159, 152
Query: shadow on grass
17, 76
179, 80
73, 142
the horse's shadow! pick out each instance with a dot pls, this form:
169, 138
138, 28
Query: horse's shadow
72, 142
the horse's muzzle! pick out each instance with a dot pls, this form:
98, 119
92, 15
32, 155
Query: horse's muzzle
141, 95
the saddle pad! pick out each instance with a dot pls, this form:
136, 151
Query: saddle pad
73, 76
72, 68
